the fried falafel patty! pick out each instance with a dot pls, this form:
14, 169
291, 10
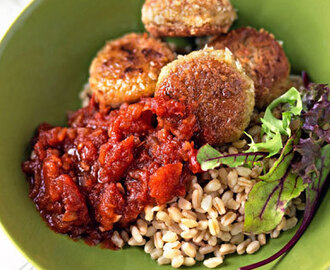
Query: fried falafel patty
262, 58
187, 17
127, 69
214, 84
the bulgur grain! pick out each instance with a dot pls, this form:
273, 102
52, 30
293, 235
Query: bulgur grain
227, 195
169, 237
214, 227
237, 228
242, 171
188, 261
133, 242
158, 241
239, 143
199, 257
171, 253
206, 249
148, 213
163, 261
151, 231
274, 234
232, 178
142, 226
219, 205
149, 246
174, 245
290, 223
117, 240
184, 204
189, 234
237, 239
156, 253
189, 249
232, 204
213, 262
175, 213
212, 186
262, 239
196, 198
224, 236
253, 247
241, 248
177, 261
228, 218
227, 249
206, 203
190, 223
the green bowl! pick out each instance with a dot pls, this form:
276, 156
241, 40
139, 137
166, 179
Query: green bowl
44, 62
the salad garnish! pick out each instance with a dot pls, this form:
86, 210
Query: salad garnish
303, 164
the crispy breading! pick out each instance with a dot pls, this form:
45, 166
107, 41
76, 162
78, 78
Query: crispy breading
187, 17
214, 83
127, 69
262, 58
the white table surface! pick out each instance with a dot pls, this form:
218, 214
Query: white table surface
10, 257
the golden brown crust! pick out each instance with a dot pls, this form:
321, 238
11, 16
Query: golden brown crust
182, 18
262, 58
214, 82
127, 69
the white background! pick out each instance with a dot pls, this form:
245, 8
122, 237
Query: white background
10, 257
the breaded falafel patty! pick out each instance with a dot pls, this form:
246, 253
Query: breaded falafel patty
187, 17
127, 69
262, 58
214, 83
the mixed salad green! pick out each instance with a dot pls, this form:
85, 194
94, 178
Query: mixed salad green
302, 164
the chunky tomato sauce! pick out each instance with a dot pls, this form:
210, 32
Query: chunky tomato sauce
100, 172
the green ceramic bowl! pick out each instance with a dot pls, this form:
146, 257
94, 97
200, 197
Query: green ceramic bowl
44, 62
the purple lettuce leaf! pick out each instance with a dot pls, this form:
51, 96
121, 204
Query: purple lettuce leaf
310, 152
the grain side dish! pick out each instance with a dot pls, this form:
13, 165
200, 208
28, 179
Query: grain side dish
191, 157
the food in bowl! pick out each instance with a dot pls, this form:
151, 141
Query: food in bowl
127, 69
140, 174
263, 59
171, 18
223, 104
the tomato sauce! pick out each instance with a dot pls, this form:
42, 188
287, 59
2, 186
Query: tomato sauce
100, 172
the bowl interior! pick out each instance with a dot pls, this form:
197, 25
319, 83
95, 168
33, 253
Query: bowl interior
44, 62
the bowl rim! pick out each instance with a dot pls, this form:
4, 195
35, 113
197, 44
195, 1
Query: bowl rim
17, 22
3, 42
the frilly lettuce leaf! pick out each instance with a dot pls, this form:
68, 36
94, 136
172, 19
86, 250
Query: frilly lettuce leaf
272, 146
316, 118
273, 127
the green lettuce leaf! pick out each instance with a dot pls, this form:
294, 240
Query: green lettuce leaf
272, 145
268, 199
292, 101
210, 158
273, 128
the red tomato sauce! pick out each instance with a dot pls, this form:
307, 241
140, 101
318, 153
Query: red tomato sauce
100, 172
